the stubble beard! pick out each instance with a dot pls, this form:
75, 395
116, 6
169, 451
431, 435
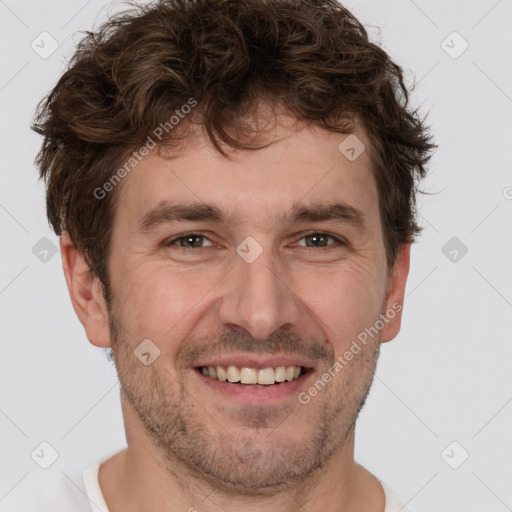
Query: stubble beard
239, 462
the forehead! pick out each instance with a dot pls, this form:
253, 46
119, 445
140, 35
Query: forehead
258, 186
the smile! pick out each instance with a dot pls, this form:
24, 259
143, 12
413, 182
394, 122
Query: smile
253, 376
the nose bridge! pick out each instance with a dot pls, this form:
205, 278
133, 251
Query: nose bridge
257, 298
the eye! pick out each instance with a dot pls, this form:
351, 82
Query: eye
319, 240
188, 241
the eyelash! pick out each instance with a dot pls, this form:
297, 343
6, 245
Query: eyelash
339, 241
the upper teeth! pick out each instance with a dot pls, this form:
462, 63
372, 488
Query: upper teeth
265, 376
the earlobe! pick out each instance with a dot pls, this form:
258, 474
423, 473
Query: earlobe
396, 293
86, 293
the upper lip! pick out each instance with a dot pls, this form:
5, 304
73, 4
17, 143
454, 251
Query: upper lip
241, 360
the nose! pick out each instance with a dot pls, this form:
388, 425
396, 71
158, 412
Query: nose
259, 298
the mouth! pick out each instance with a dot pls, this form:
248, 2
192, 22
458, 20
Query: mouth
254, 377
250, 379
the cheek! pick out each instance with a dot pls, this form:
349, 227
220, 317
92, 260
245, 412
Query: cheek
344, 302
157, 303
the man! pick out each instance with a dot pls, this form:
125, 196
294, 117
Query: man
234, 185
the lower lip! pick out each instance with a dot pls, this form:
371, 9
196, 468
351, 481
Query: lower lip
248, 395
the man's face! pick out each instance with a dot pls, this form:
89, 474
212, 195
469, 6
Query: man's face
258, 290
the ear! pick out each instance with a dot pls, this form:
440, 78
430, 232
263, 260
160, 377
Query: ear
86, 292
395, 293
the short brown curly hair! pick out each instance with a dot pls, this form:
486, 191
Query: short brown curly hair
311, 57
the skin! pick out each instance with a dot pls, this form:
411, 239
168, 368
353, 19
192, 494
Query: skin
189, 445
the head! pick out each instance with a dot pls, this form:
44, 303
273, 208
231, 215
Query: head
235, 182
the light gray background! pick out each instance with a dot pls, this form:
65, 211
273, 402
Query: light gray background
447, 377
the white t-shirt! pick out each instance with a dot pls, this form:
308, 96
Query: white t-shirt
81, 493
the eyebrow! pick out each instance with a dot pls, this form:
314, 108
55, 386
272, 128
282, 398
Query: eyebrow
167, 212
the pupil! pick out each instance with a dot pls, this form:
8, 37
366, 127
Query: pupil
189, 240
317, 238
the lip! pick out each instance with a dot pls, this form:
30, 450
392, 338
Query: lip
243, 394
241, 360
